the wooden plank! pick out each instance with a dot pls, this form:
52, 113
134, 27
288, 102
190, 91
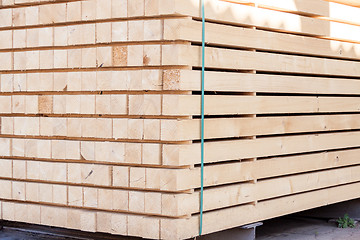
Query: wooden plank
324, 9
304, 7
225, 12
42, 214
231, 36
183, 179
105, 56
176, 130
127, 80
225, 196
311, 161
82, 34
186, 80
182, 105
82, 219
17, 3
73, 13
229, 218
6, 17
80, 197
220, 58
184, 130
189, 8
54, 104
177, 154
188, 203
261, 147
130, 153
353, 3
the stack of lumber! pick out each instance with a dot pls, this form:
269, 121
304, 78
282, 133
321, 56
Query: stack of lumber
100, 106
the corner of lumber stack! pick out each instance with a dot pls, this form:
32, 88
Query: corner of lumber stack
100, 112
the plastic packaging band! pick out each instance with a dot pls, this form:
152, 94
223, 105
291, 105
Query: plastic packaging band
202, 113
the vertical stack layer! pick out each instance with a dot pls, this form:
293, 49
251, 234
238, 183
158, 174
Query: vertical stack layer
100, 106
81, 113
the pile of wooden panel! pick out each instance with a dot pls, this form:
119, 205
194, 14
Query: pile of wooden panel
100, 106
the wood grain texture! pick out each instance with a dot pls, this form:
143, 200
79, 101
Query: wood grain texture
100, 105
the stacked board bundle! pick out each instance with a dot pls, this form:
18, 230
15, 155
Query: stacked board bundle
100, 105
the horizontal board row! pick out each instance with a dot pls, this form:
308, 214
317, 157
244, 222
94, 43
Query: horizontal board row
72, 11
86, 174
186, 80
170, 228
97, 175
84, 34
134, 80
175, 180
235, 36
335, 161
84, 197
175, 155
173, 105
74, 150
238, 14
178, 155
96, 128
236, 194
221, 58
125, 224
174, 54
320, 8
60, 172
108, 9
114, 104
189, 129
236, 172
242, 104
168, 204
172, 130
174, 80
113, 129
89, 57
244, 214
82, 219
99, 104
16, 3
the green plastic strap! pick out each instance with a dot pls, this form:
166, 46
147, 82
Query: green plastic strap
202, 113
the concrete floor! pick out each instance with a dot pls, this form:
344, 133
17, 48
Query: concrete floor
291, 228
11, 234
20, 231
285, 228
8, 234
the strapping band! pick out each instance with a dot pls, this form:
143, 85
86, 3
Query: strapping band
202, 113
